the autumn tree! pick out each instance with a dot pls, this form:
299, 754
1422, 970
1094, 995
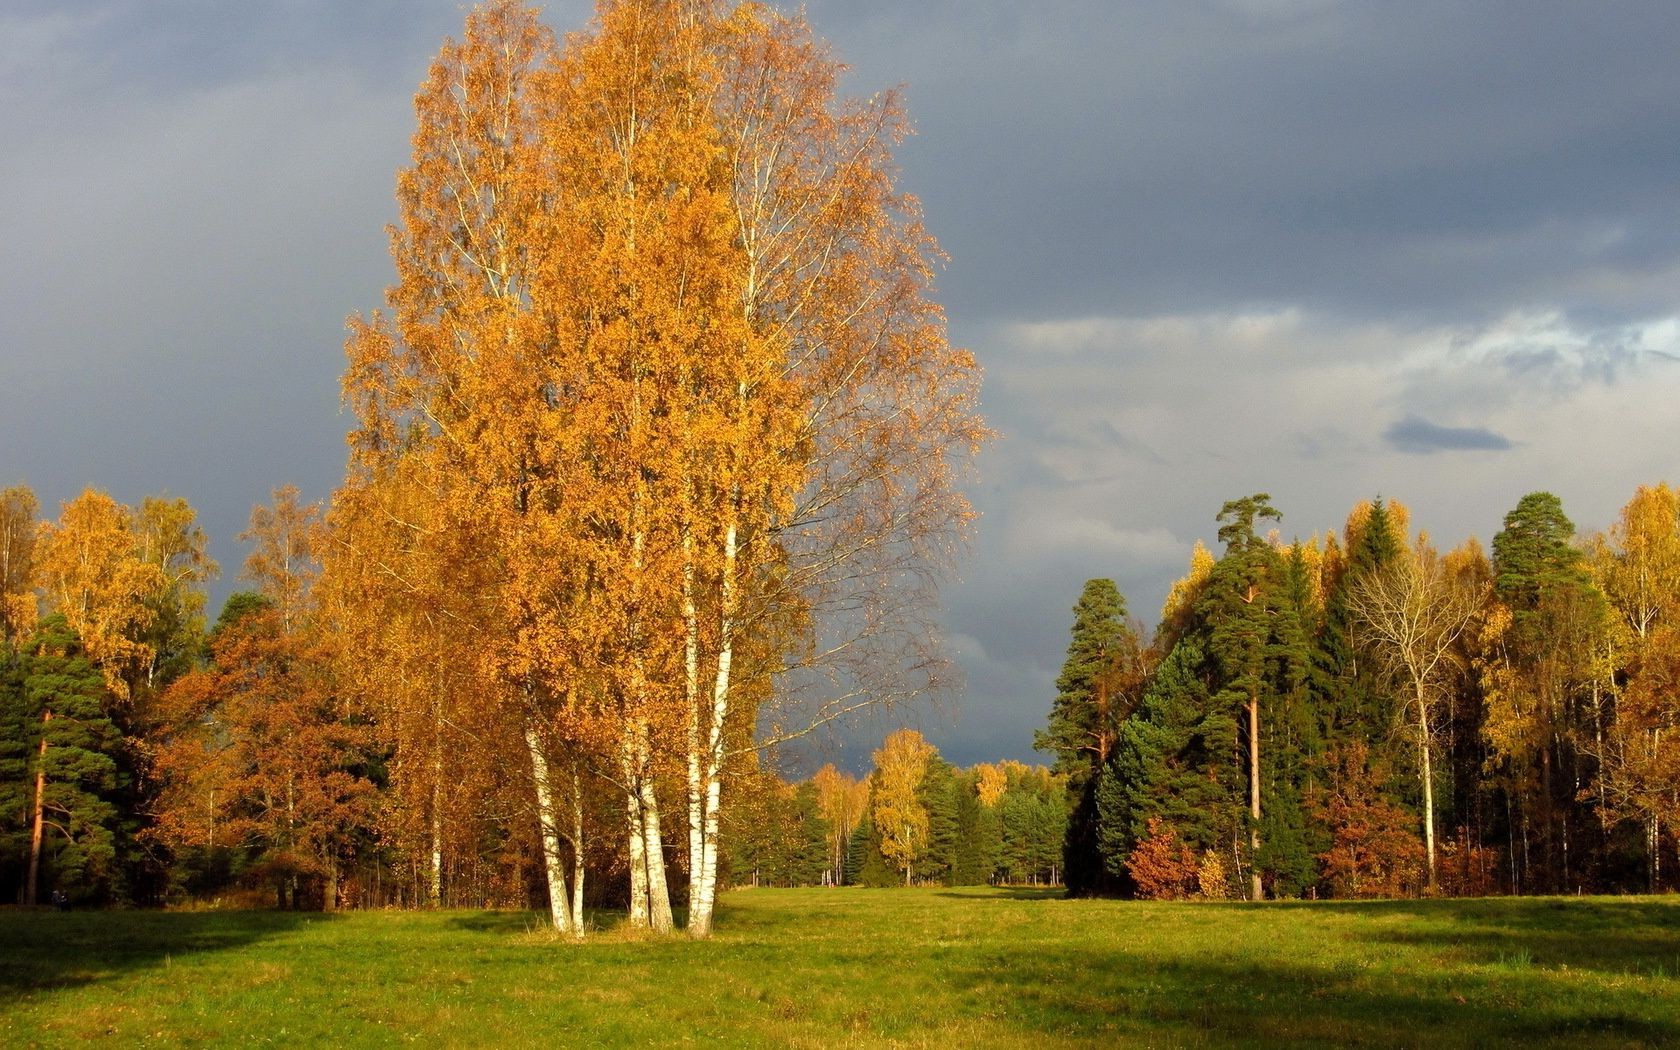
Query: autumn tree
662, 333
263, 754
1637, 566
18, 606
1372, 852
895, 805
1414, 612
1161, 866
167, 535
283, 562
87, 565
842, 801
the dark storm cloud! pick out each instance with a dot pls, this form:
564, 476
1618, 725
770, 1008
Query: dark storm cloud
1439, 159
1421, 437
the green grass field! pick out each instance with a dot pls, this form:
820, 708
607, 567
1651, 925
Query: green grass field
821, 968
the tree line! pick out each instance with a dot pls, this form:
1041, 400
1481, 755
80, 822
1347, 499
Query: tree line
1363, 715
654, 465
915, 820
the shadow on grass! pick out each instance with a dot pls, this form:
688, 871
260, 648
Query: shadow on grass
41, 950
1416, 973
1091, 994
1012, 893
1639, 936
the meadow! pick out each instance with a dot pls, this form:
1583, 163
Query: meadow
827, 967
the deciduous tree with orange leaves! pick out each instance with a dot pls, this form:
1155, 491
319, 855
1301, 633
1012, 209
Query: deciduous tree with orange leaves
663, 335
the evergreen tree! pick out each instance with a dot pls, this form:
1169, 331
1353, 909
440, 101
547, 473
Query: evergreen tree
1100, 683
1536, 692
1173, 761
67, 765
972, 865
1351, 703
938, 794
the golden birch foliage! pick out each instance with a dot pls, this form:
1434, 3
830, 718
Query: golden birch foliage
991, 782
167, 534
89, 570
1186, 591
1645, 776
898, 813
1638, 565
18, 527
841, 799
663, 339
283, 562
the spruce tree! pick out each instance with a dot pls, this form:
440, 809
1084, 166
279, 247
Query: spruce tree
1173, 761
1100, 678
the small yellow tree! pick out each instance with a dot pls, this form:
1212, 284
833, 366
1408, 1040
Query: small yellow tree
899, 815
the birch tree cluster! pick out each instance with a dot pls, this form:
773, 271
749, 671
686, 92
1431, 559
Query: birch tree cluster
658, 435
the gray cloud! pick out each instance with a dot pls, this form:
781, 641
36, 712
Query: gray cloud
1419, 436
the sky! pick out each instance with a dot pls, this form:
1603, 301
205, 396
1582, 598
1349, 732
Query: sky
1202, 248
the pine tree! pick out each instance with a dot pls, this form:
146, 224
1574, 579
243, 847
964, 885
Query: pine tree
73, 762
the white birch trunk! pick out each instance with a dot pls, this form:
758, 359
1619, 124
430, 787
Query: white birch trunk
577, 848
548, 814
703, 888
634, 841
1428, 784
653, 855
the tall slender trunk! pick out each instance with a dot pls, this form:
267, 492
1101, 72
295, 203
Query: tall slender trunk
577, 847
434, 876
634, 839
547, 815
1657, 854
653, 849
32, 886
1427, 772
706, 785
1256, 890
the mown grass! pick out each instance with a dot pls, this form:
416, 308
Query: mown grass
820, 968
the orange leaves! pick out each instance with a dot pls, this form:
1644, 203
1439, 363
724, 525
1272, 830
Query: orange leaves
17, 564
1162, 867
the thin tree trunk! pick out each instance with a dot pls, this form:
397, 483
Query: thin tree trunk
547, 815
578, 866
1256, 890
653, 849
708, 786
1427, 770
636, 844
434, 885
31, 892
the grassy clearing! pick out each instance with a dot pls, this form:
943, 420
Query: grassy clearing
865, 967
